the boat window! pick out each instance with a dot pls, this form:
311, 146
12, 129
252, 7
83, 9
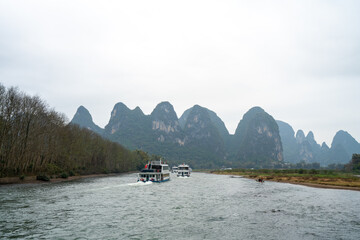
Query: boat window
157, 167
183, 168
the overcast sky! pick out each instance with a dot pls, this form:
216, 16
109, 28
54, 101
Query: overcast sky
299, 60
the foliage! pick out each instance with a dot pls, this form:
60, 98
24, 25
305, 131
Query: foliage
64, 175
43, 178
35, 139
304, 165
354, 164
336, 166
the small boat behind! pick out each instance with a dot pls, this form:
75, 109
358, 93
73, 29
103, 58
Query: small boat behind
183, 170
174, 169
155, 171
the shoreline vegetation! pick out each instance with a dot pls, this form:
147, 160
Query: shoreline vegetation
311, 178
35, 140
34, 180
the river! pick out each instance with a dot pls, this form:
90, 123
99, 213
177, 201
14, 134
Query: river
204, 206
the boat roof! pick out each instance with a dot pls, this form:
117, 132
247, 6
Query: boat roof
183, 165
158, 163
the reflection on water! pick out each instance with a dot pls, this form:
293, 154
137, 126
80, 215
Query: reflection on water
203, 206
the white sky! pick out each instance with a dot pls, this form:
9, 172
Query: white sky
297, 59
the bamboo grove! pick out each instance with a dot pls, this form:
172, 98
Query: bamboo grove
35, 139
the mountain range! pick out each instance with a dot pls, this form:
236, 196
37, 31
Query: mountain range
301, 148
200, 138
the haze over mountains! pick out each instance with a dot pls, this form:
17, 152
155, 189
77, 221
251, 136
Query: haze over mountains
200, 138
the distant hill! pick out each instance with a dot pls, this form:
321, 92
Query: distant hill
288, 140
199, 137
257, 141
203, 141
305, 149
165, 124
216, 121
131, 128
343, 147
84, 119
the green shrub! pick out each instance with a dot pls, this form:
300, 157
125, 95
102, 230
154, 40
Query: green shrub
53, 169
71, 173
64, 175
22, 177
43, 178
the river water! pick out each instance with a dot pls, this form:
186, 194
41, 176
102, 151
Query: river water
204, 206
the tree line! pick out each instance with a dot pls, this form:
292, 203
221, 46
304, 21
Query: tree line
354, 164
35, 139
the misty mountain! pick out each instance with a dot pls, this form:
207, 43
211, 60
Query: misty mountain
305, 149
199, 137
289, 143
347, 141
165, 124
343, 147
84, 119
215, 120
131, 128
199, 142
257, 141
203, 138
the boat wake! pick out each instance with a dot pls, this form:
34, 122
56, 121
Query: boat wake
140, 183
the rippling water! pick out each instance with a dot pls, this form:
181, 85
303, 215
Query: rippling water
204, 206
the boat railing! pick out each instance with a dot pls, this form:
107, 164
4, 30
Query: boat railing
157, 171
156, 162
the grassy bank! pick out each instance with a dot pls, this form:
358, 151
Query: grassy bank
314, 178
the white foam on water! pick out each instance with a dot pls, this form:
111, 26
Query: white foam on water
140, 183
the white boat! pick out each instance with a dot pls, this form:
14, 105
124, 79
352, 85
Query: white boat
175, 169
183, 170
155, 171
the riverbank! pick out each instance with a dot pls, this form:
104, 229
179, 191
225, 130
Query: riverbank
32, 179
346, 181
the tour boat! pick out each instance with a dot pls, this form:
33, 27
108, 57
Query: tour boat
183, 170
175, 169
155, 171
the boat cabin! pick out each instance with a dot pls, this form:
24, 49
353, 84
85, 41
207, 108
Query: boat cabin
155, 171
